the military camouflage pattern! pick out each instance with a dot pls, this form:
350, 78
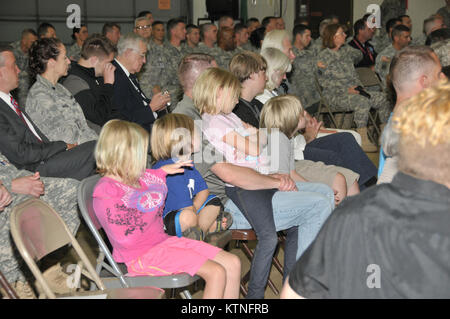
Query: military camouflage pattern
249, 47
74, 52
316, 46
336, 76
442, 49
60, 193
161, 70
380, 41
382, 68
24, 75
223, 58
57, 114
392, 9
302, 78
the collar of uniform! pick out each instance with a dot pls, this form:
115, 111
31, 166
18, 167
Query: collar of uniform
43, 81
426, 188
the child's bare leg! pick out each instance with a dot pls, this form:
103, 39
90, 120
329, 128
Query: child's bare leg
232, 265
214, 275
340, 187
188, 219
207, 218
354, 189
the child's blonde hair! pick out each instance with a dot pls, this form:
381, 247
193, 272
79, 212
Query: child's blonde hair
171, 136
122, 150
207, 87
283, 113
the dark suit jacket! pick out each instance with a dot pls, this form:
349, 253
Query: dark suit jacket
20, 145
129, 102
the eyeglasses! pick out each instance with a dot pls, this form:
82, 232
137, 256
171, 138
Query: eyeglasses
144, 27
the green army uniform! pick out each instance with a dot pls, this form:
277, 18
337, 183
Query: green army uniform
60, 193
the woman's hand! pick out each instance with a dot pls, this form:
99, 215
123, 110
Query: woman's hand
176, 168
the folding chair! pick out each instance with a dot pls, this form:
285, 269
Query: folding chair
325, 108
243, 236
9, 291
112, 273
38, 230
369, 78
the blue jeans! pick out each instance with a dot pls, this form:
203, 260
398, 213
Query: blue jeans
341, 149
302, 213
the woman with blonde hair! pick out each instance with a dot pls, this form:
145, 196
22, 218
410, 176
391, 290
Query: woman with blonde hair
129, 202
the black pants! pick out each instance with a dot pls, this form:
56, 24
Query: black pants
77, 163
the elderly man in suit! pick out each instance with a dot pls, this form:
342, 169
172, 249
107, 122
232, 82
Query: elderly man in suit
128, 98
25, 146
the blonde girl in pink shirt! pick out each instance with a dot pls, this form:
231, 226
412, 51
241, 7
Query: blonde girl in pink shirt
129, 201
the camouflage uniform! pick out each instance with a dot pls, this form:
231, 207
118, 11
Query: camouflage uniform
24, 75
161, 70
420, 40
302, 77
382, 68
337, 77
152, 70
249, 47
60, 193
57, 114
316, 46
442, 49
381, 41
392, 9
223, 57
445, 13
74, 52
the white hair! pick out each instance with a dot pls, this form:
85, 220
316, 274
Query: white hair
277, 64
129, 41
275, 38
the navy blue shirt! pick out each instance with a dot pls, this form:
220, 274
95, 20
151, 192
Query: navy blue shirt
181, 188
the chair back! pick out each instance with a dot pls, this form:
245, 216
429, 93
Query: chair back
85, 203
368, 77
38, 230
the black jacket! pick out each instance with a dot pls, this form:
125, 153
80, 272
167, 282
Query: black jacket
94, 96
20, 145
130, 102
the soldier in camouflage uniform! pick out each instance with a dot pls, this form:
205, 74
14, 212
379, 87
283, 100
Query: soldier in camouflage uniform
401, 37
192, 39
392, 9
442, 49
152, 70
79, 35
227, 45
49, 104
338, 78
20, 50
60, 193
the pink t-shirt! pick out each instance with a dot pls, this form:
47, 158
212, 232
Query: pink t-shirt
132, 217
215, 127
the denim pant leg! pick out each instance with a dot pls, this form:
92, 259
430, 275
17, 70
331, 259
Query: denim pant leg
290, 245
308, 208
256, 206
348, 154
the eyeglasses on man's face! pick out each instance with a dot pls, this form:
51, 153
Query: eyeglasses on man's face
144, 27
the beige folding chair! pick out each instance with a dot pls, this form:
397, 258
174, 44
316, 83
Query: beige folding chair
325, 108
369, 78
38, 230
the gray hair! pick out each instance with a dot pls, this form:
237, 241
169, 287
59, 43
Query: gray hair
140, 19
129, 41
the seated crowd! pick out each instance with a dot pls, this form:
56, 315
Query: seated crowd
197, 131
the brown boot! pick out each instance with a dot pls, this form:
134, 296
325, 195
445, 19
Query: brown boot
366, 144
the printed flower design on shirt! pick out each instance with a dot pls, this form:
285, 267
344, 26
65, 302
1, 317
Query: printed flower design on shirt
132, 218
